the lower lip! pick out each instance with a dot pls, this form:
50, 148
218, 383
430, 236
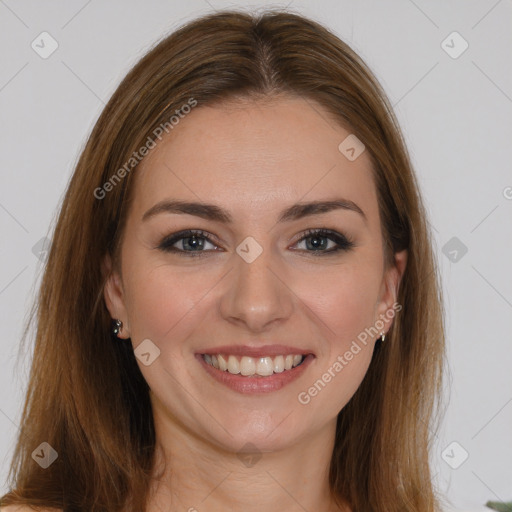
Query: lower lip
254, 385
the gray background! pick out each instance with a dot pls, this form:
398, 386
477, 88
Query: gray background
453, 112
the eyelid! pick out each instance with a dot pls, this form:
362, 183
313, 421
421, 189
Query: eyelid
187, 233
343, 242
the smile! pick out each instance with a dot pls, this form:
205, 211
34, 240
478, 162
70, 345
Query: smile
255, 375
253, 366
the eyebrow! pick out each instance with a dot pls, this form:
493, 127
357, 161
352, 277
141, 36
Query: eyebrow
216, 213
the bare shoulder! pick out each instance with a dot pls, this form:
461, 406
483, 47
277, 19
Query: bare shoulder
26, 508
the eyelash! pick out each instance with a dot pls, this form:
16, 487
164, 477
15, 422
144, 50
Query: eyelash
344, 243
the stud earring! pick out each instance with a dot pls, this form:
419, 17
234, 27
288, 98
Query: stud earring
116, 327
382, 336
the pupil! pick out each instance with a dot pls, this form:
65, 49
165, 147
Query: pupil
194, 242
316, 243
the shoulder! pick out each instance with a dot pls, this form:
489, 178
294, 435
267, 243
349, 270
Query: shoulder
26, 508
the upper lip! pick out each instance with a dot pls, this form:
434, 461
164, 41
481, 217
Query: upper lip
252, 351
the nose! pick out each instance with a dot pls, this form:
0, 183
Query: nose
257, 293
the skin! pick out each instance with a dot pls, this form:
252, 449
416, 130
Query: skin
253, 159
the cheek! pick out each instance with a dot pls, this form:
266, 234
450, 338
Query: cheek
344, 299
162, 302
344, 305
156, 305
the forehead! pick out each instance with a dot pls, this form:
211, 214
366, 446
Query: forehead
255, 156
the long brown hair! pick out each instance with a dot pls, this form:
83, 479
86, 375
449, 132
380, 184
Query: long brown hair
87, 397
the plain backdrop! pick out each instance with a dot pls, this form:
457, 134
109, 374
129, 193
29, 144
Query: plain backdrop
453, 97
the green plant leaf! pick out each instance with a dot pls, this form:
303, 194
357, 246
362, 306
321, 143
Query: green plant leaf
500, 506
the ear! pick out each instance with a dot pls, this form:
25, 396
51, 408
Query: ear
114, 296
389, 290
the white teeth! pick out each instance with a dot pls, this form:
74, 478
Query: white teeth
223, 364
278, 364
248, 366
233, 366
265, 366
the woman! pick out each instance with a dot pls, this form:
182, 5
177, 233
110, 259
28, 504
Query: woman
295, 363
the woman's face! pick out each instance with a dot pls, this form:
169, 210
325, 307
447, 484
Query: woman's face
254, 287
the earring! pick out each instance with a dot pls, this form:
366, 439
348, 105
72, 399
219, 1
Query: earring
382, 336
116, 327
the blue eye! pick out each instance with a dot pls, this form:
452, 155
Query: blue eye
190, 238
341, 242
195, 240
